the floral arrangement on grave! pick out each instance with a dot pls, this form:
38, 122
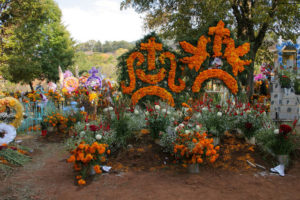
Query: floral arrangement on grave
157, 120
13, 106
94, 82
195, 148
153, 71
285, 81
284, 139
88, 159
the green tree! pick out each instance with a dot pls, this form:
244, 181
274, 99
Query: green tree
251, 19
38, 44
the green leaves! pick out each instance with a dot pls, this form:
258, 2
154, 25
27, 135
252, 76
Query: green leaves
36, 42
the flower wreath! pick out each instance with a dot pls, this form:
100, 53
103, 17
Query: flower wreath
9, 133
71, 84
16, 105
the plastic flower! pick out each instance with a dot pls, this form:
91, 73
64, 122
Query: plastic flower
219, 114
276, 131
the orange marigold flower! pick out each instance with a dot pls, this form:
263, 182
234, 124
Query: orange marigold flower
71, 159
81, 182
97, 169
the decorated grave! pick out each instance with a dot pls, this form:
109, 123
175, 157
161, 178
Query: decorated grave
161, 104
285, 98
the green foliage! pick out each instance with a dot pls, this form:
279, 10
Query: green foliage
37, 44
108, 46
14, 157
105, 61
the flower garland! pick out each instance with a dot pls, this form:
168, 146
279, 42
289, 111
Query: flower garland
229, 81
220, 32
172, 73
16, 105
232, 55
9, 133
130, 61
151, 78
199, 53
151, 47
152, 90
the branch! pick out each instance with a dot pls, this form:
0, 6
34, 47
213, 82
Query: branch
262, 32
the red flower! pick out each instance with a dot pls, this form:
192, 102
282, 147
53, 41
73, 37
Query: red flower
218, 106
44, 133
94, 128
285, 129
248, 125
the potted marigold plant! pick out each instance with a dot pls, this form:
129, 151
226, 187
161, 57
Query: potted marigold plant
193, 149
87, 159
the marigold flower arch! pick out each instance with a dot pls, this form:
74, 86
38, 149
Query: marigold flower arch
152, 90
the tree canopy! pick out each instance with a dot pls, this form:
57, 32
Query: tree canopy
251, 19
34, 40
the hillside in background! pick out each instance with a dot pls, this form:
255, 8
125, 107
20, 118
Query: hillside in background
104, 56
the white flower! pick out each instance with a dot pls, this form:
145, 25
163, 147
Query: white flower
168, 112
264, 113
164, 110
136, 112
237, 112
105, 109
219, 114
248, 111
146, 113
157, 107
181, 125
185, 109
110, 108
205, 109
10, 133
198, 115
82, 133
276, 131
172, 119
187, 131
198, 127
98, 137
176, 128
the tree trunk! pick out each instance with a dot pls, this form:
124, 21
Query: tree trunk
31, 86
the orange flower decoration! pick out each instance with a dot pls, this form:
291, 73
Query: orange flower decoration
199, 53
130, 61
229, 81
172, 73
220, 32
152, 90
151, 78
151, 47
233, 55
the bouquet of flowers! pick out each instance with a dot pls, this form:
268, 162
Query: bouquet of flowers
195, 148
88, 158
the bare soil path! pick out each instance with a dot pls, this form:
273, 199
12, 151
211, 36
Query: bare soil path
49, 177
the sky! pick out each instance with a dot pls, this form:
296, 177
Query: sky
100, 20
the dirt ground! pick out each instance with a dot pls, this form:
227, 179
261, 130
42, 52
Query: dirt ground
48, 177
